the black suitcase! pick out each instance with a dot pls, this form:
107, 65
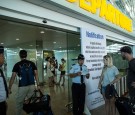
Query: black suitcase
123, 106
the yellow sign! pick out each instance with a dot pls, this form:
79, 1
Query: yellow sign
106, 11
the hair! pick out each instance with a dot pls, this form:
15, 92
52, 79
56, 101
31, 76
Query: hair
1, 50
63, 60
47, 58
23, 53
126, 49
110, 60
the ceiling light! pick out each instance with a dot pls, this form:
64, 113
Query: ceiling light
54, 42
17, 39
78, 45
31, 45
1, 43
42, 32
59, 47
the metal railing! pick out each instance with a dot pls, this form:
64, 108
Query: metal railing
121, 86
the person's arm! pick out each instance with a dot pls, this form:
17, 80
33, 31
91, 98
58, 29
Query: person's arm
101, 78
36, 77
117, 78
72, 75
11, 81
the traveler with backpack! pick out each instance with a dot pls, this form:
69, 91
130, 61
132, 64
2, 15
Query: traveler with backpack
110, 75
3, 85
27, 73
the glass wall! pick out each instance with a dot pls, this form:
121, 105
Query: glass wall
40, 42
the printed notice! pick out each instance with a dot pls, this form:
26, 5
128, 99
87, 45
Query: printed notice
93, 44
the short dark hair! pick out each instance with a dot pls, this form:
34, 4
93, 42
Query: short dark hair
80, 57
63, 60
1, 49
23, 53
126, 49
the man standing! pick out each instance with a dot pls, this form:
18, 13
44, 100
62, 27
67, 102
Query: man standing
126, 54
77, 73
27, 73
3, 85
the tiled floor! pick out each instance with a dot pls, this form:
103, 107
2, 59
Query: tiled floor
59, 98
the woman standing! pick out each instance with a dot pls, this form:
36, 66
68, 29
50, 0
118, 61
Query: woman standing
49, 73
62, 68
110, 75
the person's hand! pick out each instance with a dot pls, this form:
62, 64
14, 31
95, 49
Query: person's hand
79, 73
133, 84
87, 76
37, 87
99, 86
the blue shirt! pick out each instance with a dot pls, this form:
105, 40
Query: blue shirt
76, 68
2, 90
109, 75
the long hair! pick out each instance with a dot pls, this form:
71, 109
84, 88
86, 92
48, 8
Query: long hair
109, 59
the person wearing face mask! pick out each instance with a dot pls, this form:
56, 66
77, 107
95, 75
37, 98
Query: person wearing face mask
110, 75
78, 72
3, 85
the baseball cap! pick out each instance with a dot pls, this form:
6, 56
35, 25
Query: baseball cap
80, 56
126, 49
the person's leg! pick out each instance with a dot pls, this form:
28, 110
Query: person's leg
60, 79
107, 106
50, 81
30, 92
63, 76
82, 99
75, 98
21, 94
3, 108
112, 106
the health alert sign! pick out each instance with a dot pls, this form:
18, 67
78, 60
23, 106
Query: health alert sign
93, 47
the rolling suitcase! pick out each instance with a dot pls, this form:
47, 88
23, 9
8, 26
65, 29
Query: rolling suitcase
123, 106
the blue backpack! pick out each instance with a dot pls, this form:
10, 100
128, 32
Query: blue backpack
26, 75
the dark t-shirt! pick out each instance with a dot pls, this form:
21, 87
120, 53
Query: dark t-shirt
17, 66
131, 77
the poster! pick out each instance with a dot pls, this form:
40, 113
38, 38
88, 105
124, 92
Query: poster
93, 42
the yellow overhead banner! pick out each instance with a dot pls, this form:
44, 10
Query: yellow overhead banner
106, 11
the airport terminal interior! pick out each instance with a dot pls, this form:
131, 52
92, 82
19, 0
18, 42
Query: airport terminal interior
41, 42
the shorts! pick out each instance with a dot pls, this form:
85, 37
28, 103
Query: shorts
63, 72
103, 89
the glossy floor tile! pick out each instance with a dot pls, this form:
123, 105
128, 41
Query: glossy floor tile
59, 98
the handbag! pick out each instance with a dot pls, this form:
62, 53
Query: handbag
110, 91
37, 102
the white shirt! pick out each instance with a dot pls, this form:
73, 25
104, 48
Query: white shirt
2, 90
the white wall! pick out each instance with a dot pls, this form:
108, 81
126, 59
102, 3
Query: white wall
27, 11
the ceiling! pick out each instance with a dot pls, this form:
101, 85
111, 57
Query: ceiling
28, 35
127, 7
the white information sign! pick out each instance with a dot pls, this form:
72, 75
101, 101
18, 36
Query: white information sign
93, 44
